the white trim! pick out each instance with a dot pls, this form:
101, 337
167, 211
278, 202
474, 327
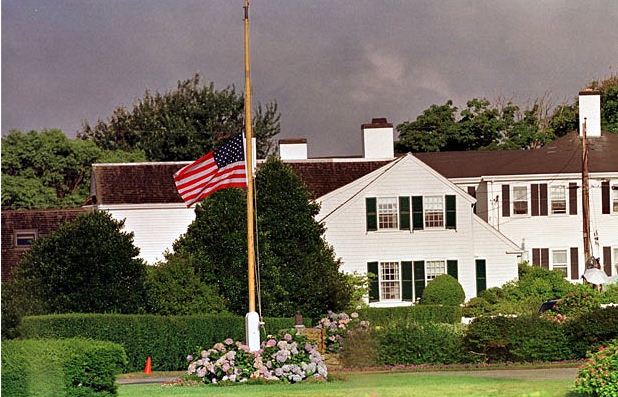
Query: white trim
543, 177
150, 206
528, 200
515, 248
568, 260
380, 281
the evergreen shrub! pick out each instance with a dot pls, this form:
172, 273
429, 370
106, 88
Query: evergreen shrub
166, 339
417, 313
70, 367
590, 330
443, 290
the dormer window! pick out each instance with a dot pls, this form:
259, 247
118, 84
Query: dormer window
24, 238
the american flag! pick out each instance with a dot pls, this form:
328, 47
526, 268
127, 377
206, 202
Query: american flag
222, 168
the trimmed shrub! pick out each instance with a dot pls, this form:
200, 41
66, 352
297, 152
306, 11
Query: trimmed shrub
582, 299
476, 307
70, 367
599, 377
417, 313
443, 290
590, 330
518, 339
413, 343
167, 339
610, 294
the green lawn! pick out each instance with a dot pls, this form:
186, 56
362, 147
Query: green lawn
374, 385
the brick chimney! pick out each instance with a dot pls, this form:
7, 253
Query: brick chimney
590, 110
293, 149
378, 141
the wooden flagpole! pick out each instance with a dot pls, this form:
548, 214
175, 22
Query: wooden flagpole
252, 322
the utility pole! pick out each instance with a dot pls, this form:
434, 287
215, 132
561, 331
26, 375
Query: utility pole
252, 319
585, 198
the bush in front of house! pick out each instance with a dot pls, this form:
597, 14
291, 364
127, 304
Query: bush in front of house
599, 376
610, 294
417, 313
405, 343
167, 339
70, 367
582, 299
590, 330
443, 290
518, 339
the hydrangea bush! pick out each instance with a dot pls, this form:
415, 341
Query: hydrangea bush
288, 358
336, 327
599, 376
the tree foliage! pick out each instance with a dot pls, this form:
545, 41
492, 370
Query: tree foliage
183, 124
298, 268
48, 170
88, 265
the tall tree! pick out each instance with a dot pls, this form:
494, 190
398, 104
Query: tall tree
184, 123
47, 169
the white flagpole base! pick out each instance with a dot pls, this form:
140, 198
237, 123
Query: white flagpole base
252, 329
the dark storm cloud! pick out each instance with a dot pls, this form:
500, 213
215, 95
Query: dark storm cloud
331, 65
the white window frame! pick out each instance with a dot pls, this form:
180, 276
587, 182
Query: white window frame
551, 199
24, 233
395, 201
425, 211
567, 262
527, 187
427, 262
381, 280
614, 260
613, 199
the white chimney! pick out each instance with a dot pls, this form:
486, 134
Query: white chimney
378, 142
590, 110
293, 149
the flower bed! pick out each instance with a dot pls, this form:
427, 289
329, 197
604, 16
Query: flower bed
289, 358
336, 326
599, 377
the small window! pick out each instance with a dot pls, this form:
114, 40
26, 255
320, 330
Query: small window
434, 211
387, 213
616, 260
520, 200
390, 281
614, 193
558, 200
25, 238
434, 269
559, 261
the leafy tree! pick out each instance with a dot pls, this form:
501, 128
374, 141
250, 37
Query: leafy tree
609, 102
430, 131
174, 288
88, 265
183, 124
564, 119
298, 269
47, 169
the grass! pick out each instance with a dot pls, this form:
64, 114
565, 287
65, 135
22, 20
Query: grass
374, 385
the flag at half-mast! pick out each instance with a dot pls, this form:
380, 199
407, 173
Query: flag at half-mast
222, 168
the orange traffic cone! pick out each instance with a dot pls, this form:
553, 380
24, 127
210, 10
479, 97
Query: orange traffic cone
148, 367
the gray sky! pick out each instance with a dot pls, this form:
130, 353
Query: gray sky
330, 64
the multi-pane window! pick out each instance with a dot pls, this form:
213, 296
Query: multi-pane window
434, 211
559, 261
434, 269
387, 213
390, 281
24, 238
558, 199
520, 200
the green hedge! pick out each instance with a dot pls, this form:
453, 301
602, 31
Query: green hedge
70, 367
590, 330
417, 313
414, 343
518, 339
167, 339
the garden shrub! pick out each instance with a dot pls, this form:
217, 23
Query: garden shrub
476, 307
167, 339
518, 339
70, 367
418, 313
443, 290
359, 349
599, 376
336, 327
580, 300
414, 343
590, 330
609, 294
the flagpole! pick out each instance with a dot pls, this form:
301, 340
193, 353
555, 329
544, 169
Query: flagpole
252, 322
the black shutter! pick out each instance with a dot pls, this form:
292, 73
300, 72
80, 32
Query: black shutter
404, 213
605, 197
574, 264
451, 212
572, 198
417, 212
543, 199
481, 277
374, 283
419, 279
372, 214
506, 200
536, 256
607, 260
534, 196
407, 281
451, 268
545, 258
